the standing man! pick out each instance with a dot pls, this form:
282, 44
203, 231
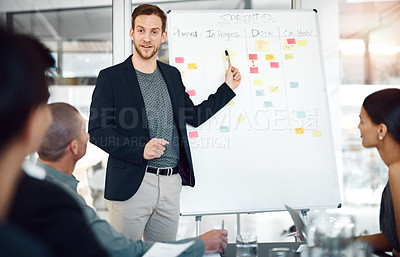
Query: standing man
138, 115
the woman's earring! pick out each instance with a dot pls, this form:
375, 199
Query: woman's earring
380, 138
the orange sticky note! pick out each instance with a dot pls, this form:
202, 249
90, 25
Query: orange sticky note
192, 66
191, 92
269, 57
193, 134
299, 131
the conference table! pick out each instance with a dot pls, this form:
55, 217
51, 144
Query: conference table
263, 249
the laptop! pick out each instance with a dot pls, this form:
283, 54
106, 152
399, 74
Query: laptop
298, 222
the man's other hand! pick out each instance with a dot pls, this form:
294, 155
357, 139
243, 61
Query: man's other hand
154, 148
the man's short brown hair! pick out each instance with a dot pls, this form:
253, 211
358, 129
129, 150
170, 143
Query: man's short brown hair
149, 9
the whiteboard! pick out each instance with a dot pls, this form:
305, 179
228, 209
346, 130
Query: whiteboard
272, 144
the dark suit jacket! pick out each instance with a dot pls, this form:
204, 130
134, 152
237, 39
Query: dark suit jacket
47, 212
118, 124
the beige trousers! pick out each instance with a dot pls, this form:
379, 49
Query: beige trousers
152, 212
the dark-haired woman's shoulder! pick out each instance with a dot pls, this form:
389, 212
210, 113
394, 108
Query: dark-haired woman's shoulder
49, 213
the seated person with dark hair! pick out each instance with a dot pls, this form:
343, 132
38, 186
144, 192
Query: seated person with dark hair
63, 145
37, 218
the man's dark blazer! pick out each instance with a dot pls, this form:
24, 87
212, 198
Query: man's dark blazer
118, 124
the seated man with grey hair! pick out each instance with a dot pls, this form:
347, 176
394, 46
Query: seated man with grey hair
63, 145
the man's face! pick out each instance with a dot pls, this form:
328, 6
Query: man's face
147, 35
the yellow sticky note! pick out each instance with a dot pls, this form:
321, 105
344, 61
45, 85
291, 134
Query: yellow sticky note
262, 45
269, 57
257, 82
288, 47
274, 89
241, 118
299, 131
183, 74
289, 56
192, 66
301, 42
230, 103
316, 133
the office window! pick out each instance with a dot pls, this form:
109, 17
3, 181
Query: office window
370, 61
80, 39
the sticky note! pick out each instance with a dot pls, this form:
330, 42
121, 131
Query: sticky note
260, 92
252, 56
302, 42
316, 133
253, 69
269, 57
289, 56
179, 60
192, 66
224, 129
291, 41
268, 104
183, 74
241, 118
288, 47
274, 89
301, 115
274, 64
262, 45
294, 84
191, 92
230, 103
299, 131
257, 82
193, 134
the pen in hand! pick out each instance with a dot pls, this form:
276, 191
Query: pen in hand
227, 57
223, 225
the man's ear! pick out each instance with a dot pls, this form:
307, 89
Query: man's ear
164, 36
73, 146
382, 130
131, 33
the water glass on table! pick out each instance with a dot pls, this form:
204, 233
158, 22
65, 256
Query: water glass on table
246, 245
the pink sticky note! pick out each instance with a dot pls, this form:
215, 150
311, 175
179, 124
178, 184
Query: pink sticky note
193, 134
253, 69
252, 56
291, 41
178, 59
274, 65
191, 92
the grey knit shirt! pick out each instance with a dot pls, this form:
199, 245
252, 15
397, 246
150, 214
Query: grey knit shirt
160, 116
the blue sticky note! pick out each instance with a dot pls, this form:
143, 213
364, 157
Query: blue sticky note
260, 92
268, 104
301, 115
224, 129
294, 84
